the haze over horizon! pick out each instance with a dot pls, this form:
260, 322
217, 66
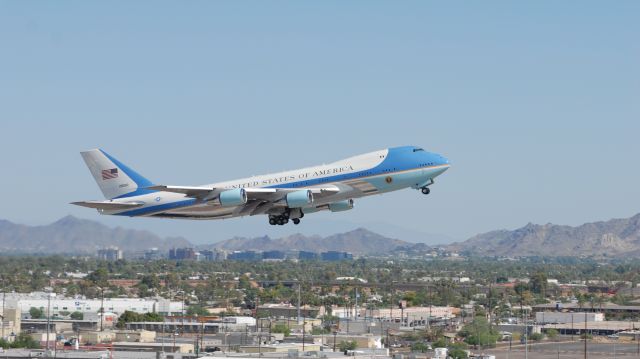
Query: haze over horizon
535, 104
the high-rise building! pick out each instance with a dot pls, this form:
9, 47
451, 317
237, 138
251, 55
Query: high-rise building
153, 254
110, 254
182, 254
335, 256
306, 255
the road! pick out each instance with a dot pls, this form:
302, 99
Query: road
565, 350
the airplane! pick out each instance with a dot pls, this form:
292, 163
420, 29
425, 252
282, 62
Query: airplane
281, 196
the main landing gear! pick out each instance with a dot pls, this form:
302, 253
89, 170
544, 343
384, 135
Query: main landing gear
283, 218
425, 190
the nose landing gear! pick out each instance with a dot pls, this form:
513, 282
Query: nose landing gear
425, 190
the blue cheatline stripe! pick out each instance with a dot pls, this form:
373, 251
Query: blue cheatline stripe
397, 159
158, 208
140, 180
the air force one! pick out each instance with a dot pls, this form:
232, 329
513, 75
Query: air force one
281, 196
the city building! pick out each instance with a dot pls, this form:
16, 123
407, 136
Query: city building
273, 255
244, 256
9, 321
307, 256
409, 315
153, 254
110, 254
335, 256
289, 311
180, 254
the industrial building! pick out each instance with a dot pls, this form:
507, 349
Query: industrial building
60, 307
567, 317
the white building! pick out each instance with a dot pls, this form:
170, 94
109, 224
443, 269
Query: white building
61, 306
410, 313
567, 317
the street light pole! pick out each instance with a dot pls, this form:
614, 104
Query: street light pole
4, 293
101, 307
48, 318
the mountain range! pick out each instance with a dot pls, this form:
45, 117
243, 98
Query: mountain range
74, 236
359, 241
614, 238
71, 235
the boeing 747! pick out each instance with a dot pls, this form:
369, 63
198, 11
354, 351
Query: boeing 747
281, 196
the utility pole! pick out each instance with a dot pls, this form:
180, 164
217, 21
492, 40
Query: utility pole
101, 307
299, 317
163, 324
4, 293
430, 304
392, 301
48, 319
526, 332
355, 315
585, 335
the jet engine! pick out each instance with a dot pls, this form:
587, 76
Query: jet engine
345, 205
233, 197
299, 199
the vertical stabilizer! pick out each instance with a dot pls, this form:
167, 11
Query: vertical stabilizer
114, 178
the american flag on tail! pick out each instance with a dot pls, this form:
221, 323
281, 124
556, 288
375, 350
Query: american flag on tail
109, 174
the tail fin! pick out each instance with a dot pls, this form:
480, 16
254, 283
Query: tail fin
114, 178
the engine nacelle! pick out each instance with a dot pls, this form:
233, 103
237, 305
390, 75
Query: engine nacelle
341, 206
233, 197
299, 199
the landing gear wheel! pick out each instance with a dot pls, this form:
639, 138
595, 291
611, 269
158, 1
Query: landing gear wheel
426, 190
296, 221
280, 221
272, 221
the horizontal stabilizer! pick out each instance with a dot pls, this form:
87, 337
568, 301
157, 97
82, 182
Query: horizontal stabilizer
108, 205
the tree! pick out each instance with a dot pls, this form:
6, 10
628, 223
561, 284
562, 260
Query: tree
151, 281
347, 345
419, 347
77, 315
129, 316
197, 310
539, 283
536, 336
552, 333
99, 277
22, 340
479, 332
281, 328
458, 351
36, 313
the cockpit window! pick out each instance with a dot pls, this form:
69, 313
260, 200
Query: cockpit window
417, 149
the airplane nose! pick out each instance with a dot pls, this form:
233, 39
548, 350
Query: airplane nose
442, 160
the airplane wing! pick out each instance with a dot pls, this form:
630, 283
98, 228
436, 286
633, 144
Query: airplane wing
108, 205
195, 192
253, 193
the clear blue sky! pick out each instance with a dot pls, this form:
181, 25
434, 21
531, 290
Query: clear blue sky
536, 104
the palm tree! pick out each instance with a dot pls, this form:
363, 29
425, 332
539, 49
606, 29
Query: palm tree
581, 300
